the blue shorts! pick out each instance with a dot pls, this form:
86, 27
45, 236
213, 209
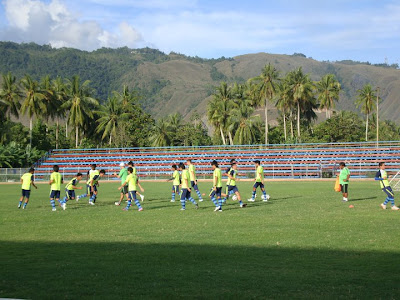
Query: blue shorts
258, 184
194, 185
70, 194
89, 190
218, 191
388, 190
26, 193
132, 195
185, 194
175, 189
124, 190
232, 188
55, 194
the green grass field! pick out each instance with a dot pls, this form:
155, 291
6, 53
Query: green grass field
303, 243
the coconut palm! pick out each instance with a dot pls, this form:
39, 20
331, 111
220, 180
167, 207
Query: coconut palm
10, 96
60, 95
110, 115
301, 88
243, 123
33, 101
328, 92
267, 86
285, 104
79, 103
161, 136
366, 101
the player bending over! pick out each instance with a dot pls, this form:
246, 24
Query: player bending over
133, 183
344, 177
26, 182
259, 183
91, 186
193, 178
123, 173
55, 189
70, 188
176, 181
232, 188
381, 175
185, 193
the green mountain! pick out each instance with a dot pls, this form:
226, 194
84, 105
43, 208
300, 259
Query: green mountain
175, 82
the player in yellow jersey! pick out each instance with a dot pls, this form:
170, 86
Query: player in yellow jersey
259, 182
217, 186
231, 185
55, 189
91, 186
176, 181
186, 190
382, 176
70, 188
193, 178
132, 183
26, 182
131, 164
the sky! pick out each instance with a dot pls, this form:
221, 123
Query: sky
361, 30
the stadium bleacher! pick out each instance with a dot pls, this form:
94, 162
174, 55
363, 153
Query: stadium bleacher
279, 161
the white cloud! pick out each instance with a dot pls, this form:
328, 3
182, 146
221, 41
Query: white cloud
34, 20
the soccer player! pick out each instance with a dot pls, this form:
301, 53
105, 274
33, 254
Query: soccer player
382, 176
26, 182
185, 193
55, 190
130, 164
232, 188
193, 179
344, 180
132, 182
228, 170
175, 183
92, 169
259, 182
70, 188
123, 173
92, 185
217, 186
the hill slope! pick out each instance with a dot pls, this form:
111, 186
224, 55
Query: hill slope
175, 82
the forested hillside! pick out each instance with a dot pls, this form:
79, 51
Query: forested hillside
177, 83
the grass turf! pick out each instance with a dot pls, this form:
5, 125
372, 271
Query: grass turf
303, 243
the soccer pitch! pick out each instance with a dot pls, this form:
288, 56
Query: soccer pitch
304, 243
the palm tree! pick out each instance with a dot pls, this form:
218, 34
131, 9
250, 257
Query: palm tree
162, 134
79, 103
285, 104
302, 92
10, 95
366, 101
110, 115
127, 98
32, 103
244, 124
328, 92
59, 96
267, 85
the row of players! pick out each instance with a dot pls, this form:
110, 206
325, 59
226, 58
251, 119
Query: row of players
130, 183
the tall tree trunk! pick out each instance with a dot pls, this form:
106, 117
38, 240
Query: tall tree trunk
110, 140
222, 135
76, 136
57, 125
298, 119
291, 124
230, 138
366, 130
284, 126
66, 129
30, 131
266, 121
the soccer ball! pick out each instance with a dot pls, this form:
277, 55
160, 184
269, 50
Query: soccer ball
265, 198
234, 198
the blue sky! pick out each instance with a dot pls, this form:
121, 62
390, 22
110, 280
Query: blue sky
325, 30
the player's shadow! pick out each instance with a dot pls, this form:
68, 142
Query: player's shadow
362, 199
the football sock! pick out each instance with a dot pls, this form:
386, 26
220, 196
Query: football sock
183, 202
137, 203
192, 200
240, 202
264, 193
83, 196
25, 204
386, 201
129, 204
224, 199
214, 201
173, 196
220, 201
198, 194
392, 201
20, 203
254, 195
53, 203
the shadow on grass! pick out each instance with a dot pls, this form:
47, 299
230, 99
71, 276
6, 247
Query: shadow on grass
362, 199
38, 270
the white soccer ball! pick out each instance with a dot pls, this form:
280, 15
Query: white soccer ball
234, 198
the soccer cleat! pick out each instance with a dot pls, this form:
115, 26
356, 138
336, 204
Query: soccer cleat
201, 200
77, 198
243, 205
64, 206
345, 200
217, 208
140, 209
172, 200
383, 206
23, 207
117, 203
220, 210
19, 205
142, 197
183, 208
54, 209
395, 208
251, 200
196, 207
91, 203
125, 209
